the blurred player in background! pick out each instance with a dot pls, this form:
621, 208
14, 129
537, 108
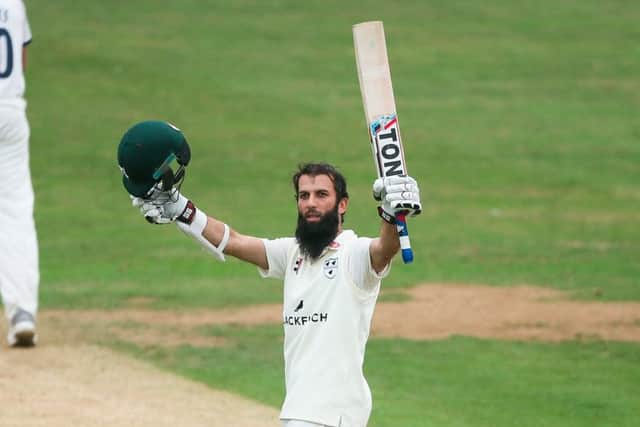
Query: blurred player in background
331, 276
19, 271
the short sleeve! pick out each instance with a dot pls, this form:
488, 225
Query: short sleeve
360, 268
277, 256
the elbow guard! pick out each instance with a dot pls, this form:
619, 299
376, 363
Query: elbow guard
196, 226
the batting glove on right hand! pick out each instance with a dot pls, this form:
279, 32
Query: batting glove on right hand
397, 194
164, 207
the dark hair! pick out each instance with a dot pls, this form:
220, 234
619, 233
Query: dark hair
315, 169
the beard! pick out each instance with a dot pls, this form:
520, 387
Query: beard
313, 237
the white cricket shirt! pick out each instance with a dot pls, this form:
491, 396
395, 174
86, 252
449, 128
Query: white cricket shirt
15, 33
327, 311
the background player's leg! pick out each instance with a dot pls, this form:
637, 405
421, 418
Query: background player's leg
19, 272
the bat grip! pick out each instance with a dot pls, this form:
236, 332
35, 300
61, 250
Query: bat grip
403, 235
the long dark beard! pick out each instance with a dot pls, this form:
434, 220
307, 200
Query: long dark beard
313, 237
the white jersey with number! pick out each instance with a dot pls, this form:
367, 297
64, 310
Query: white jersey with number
327, 311
15, 33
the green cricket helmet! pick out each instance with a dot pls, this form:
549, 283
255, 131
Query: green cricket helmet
146, 153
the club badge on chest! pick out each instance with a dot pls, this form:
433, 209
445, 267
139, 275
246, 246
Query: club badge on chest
330, 267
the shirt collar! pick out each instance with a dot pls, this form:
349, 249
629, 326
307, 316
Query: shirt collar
338, 242
341, 239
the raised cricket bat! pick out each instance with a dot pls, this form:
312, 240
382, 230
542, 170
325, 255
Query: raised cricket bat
380, 111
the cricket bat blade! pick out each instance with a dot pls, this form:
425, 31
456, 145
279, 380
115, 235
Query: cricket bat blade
374, 76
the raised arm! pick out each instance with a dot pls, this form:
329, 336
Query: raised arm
384, 247
246, 248
213, 234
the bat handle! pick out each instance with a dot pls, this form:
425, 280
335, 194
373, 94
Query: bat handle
403, 235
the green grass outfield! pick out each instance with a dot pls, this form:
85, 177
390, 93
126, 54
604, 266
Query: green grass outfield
520, 122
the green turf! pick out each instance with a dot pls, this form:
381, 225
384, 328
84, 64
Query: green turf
469, 382
454, 382
519, 121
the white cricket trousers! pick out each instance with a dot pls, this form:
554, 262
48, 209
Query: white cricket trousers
19, 271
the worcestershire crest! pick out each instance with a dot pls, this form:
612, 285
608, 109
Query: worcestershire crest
330, 267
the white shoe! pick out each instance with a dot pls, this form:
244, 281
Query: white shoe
22, 331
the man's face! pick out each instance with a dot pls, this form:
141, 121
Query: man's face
317, 197
318, 214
